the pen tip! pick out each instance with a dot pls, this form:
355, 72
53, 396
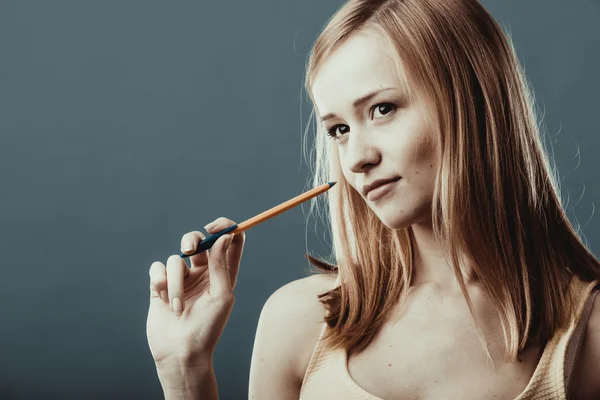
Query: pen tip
331, 184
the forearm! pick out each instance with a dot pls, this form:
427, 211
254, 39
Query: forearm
198, 383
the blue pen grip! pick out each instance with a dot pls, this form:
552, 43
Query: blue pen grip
208, 242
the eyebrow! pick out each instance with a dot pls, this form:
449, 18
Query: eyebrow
358, 102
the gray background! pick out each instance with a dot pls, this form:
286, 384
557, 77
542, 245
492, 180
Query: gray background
125, 124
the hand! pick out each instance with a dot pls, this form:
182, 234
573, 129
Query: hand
189, 307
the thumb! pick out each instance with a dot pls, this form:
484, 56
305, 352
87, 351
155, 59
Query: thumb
218, 268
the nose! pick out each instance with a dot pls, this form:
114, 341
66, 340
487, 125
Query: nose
361, 152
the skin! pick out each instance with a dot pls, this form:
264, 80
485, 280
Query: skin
392, 139
376, 140
388, 136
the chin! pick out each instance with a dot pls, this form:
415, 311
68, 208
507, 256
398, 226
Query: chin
394, 218
396, 221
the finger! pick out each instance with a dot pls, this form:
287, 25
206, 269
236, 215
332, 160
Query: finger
234, 254
220, 284
158, 281
177, 270
189, 244
218, 224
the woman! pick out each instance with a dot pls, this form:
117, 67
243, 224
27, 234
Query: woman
460, 278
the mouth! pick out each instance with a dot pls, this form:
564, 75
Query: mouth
381, 190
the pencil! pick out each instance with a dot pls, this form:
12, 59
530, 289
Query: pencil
208, 242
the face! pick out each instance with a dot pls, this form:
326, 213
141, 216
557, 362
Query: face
382, 136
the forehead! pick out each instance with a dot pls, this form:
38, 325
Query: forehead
363, 63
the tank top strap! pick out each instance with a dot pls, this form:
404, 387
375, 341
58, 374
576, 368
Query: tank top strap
574, 346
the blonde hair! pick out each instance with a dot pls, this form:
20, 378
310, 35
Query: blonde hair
496, 199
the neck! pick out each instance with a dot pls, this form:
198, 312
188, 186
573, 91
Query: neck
430, 266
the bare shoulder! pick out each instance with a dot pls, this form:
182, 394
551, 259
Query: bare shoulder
585, 383
288, 329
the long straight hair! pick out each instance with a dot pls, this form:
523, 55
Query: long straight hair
496, 200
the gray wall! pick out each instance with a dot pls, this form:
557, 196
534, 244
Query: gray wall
113, 118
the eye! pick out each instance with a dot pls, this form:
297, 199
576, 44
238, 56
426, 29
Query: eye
383, 108
332, 131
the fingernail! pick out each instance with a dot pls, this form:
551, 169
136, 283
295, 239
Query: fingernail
164, 296
177, 306
209, 226
188, 246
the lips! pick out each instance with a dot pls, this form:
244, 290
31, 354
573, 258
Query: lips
375, 184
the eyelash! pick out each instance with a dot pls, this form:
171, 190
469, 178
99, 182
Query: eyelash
331, 131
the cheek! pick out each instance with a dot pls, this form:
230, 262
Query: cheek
340, 170
421, 162
425, 156
416, 143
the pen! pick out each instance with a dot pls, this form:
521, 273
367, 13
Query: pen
208, 242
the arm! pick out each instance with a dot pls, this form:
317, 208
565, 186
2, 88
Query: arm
194, 383
585, 383
288, 329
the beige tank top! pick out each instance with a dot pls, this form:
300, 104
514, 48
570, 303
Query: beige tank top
327, 375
